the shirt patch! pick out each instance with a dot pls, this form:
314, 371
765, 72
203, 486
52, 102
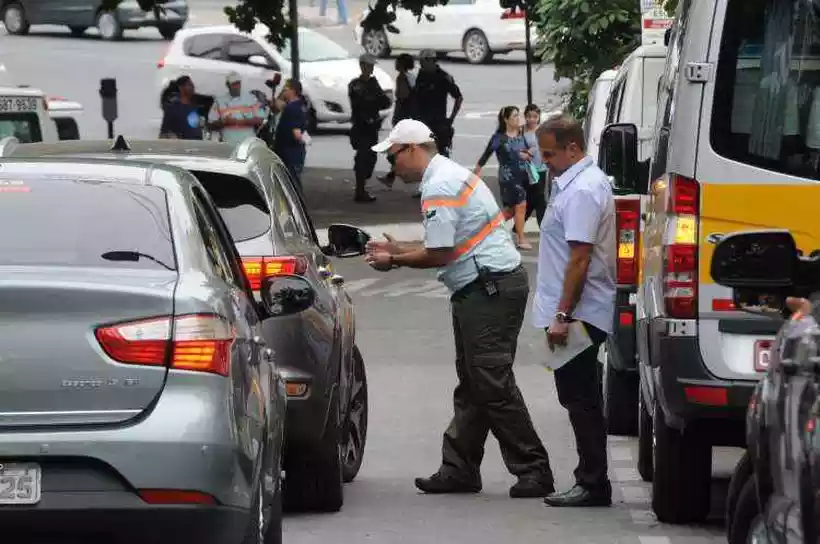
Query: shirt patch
193, 119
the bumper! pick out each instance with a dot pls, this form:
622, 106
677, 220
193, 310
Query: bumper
688, 392
621, 344
131, 18
332, 105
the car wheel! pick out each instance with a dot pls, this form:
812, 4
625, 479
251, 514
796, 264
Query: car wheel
477, 48
682, 472
355, 429
374, 42
265, 524
644, 438
742, 473
14, 19
747, 517
168, 32
619, 392
313, 480
109, 26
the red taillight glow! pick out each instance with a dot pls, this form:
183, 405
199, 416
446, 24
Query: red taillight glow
627, 213
161, 61
722, 305
681, 249
259, 268
626, 319
201, 343
510, 14
174, 496
683, 196
710, 396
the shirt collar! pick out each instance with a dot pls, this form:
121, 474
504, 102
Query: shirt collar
567, 177
434, 163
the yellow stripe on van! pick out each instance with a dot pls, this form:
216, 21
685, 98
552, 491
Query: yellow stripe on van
728, 208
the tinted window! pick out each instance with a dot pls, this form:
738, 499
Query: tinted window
298, 218
67, 128
23, 126
240, 49
217, 255
206, 46
767, 92
239, 202
69, 223
313, 47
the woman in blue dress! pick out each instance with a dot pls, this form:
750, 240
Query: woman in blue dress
513, 153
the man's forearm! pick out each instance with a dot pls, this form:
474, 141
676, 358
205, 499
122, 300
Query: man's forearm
409, 247
575, 277
422, 258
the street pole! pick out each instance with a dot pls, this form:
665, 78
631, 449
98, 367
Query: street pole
294, 39
527, 46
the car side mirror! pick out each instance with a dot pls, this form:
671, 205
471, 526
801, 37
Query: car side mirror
618, 156
430, 17
259, 60
345, 241
287, 295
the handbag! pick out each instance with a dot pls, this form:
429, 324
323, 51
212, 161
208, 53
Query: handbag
533, 174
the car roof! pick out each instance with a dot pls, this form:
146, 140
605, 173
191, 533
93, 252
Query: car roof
259, 31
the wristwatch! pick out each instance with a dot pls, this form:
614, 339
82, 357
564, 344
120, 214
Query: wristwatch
562, 317
392, 262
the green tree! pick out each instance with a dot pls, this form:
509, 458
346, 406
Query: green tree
583, 38
670, 6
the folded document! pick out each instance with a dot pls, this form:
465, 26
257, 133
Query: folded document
578, 340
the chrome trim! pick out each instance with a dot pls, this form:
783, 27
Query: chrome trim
65, 417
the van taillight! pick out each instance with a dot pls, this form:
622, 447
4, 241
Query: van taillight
680, 266
513, 14
259, 268
196, 342
627, 213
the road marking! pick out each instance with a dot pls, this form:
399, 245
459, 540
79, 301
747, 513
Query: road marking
654, 540
357, 285
620, 453
479, 114
635, 494
643, 517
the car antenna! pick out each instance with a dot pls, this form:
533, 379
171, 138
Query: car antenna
120, 144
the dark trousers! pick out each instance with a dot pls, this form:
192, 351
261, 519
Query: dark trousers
487, 397
363, 138
579, 391
537, 198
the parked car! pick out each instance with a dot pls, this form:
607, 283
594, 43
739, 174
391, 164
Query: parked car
317, 354
774, 495
717, 166
479, 28
78, 15
208, 54
137, 395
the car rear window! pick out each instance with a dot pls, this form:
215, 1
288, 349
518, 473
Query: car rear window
239, 202
62, 222
23, 126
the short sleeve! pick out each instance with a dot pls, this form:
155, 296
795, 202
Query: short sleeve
581, 215
440, 227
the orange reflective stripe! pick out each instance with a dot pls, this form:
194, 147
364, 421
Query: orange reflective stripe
479, 236
238, 109
453, 201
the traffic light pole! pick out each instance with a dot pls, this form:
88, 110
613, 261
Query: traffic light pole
527, 46
294, 39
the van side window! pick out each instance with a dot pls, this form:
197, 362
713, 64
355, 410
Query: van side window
767, 92
613, 106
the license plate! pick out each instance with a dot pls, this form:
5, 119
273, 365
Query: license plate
19, 483
18, 104
763, 355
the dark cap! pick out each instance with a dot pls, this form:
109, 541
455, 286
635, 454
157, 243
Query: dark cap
366, 58
427, 54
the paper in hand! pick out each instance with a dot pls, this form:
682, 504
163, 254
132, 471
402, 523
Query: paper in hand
578, 340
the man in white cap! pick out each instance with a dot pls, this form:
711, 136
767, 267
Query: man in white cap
237, 114
466, 240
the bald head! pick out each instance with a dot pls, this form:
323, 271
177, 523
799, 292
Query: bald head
565, 129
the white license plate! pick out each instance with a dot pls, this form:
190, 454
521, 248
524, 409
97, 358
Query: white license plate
18, 104
19, 483
763, 354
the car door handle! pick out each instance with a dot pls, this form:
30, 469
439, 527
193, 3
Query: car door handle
336, 279
324, 272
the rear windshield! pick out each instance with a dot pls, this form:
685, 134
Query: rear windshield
767, 94
23, 126
239, 202
58, 222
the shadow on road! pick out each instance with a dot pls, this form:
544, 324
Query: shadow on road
65, 34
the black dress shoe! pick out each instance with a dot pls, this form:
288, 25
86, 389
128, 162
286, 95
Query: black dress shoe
364, 197
440, 484
530, 488
581, 496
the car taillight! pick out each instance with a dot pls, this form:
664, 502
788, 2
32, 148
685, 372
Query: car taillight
680, 267
259, 268
513, 14
627, 214
196, 342
161, 61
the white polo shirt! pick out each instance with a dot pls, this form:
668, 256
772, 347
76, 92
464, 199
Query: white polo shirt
581, 209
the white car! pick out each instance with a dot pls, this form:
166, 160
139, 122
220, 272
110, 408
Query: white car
479, 28
209, 54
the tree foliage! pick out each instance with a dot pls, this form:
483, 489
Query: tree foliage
670, 6
583, 38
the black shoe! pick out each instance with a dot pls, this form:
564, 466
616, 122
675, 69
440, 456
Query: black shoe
439, 484
388, 180
581, 496
364, 197
530, 488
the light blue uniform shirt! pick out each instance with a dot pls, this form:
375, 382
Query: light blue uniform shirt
461, 212
581, 209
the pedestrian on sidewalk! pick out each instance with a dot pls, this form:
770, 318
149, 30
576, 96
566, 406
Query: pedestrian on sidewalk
466, 241
291, 131
513, 153
406, 106
536, 188
367, 100
180, 115
341, 8
576, 282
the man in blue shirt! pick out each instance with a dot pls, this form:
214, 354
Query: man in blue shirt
291, 135
180, 116
576, 282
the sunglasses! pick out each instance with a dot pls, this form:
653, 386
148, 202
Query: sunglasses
398, 152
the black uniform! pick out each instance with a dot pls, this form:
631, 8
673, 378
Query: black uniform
367, 99
432, 90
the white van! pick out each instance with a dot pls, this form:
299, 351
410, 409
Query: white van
24, 115
595, 119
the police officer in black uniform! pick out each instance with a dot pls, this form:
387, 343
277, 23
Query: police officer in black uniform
433, 86
367, 99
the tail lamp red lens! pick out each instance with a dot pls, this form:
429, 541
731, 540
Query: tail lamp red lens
259, 268
627, 213
681, 252
513, 14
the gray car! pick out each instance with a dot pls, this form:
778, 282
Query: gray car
316, 350
136, 392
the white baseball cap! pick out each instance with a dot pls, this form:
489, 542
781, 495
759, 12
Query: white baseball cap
406, 131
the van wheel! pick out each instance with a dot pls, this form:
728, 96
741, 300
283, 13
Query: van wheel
747, 516
109, 26
313, 480
14, 19
742, 473
644, 439
682, 473
619, 392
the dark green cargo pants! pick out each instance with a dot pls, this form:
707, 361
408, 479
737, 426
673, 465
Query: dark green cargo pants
487, 397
